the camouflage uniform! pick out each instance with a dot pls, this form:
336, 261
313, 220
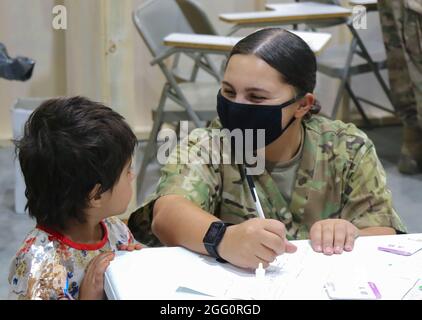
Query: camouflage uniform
339, 176
402, 30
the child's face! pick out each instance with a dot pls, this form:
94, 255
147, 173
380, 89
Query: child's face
116, 201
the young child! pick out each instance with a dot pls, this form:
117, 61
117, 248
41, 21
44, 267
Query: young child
75, 156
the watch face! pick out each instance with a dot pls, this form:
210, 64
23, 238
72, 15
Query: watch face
213, 232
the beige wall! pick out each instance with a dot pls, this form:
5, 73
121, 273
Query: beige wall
26, 30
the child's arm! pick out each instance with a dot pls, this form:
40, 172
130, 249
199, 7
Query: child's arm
92, 286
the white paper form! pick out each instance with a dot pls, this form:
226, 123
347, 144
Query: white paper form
415, 293
229, 282
304, 274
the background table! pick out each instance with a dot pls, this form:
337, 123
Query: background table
284, 14
220, 44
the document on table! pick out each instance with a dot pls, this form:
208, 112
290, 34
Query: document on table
302, 275
229, 282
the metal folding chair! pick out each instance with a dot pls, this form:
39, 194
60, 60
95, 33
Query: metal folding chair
195, 101
201, 24
359, 59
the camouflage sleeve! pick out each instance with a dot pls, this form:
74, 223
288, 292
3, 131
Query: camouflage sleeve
400, 24
188, 173
366, 199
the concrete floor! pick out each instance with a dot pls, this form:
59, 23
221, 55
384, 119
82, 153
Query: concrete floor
407, 196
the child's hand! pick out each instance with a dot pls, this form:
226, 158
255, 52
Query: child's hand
333, 236
92, 286
130, 247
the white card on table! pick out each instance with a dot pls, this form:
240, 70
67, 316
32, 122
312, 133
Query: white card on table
415, 293
405, 247
352, 290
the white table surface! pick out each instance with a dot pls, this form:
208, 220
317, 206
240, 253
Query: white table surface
156, 273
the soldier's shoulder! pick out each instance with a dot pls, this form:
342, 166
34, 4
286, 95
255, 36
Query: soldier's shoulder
337, 133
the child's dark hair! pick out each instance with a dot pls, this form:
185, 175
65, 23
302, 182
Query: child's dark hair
287, 53
69, 145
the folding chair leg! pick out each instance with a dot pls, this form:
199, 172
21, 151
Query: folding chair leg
344, 77
176, 60
223, 66
358, 105
214, 68
181, 96
195, 69
152, 141
203, 61
368, 58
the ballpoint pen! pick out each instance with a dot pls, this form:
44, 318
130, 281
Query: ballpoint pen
251, 185
258, 206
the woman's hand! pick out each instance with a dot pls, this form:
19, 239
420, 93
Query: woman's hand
333, 236
254, 241
92, 286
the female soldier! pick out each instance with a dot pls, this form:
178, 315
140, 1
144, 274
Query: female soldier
322, 178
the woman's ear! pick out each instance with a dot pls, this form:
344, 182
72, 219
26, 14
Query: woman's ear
95, 197
305, 105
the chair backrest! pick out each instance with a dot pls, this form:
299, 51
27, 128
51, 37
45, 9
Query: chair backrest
155, 19
197, 17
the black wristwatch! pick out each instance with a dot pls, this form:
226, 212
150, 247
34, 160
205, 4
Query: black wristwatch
213, 238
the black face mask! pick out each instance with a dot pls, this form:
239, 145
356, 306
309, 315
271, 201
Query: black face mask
248, 116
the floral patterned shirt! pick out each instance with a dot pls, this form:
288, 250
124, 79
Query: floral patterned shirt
50, 266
